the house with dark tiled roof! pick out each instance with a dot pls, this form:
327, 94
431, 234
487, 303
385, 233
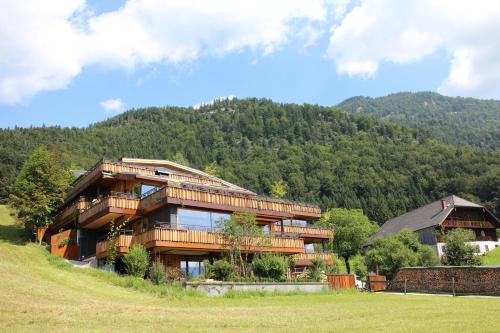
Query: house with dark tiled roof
432, 221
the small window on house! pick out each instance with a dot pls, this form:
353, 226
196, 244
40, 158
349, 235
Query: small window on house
482, 233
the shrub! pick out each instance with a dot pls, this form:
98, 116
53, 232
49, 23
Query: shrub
220, 270
172, 274
317, 271
457, 252
359, 266
157, 272
270, 266
337, 266
63, 241
136, 260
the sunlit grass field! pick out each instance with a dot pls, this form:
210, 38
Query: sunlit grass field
40, 293
492, 258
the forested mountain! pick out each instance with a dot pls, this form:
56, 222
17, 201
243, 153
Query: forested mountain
454, 120
325, 155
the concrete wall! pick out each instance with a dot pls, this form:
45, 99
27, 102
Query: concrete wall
464, 280
220, 288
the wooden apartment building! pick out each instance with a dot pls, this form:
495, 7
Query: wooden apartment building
173, 211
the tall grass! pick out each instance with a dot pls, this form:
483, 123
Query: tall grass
126, 281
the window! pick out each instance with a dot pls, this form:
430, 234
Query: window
309, 248
199, 220
482, 233
145, 189
192, 268
299, 223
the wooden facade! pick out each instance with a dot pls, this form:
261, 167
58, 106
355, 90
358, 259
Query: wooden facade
109, 191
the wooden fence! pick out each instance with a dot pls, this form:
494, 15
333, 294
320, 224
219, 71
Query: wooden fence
341, 281
377, 282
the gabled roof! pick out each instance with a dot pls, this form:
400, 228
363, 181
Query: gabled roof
426, 216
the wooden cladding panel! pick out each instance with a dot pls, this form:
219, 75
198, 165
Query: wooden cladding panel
468, 224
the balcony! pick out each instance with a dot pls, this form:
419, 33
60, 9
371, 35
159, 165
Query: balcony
123, 243
305, 259
103, 211
198, 196
309, 233
164, 238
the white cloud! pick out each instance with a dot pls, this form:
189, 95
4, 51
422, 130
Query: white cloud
45, 44
402, 32
112, 105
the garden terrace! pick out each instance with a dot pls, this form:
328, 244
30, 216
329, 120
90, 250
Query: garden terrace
168, 239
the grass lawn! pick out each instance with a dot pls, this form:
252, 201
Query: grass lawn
492, 258
40, 294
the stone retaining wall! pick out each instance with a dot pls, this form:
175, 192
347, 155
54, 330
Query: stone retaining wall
461, 280
220, 288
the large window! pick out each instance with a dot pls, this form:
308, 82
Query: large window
199, 220
299, 223
191, 268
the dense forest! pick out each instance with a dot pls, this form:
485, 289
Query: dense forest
324, 155
453, 120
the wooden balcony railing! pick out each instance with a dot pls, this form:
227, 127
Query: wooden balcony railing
215, 198
69, 211
123, 243
305, 259
304, 231
101, 167
203, 240
109, 204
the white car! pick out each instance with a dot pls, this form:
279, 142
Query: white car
358, 283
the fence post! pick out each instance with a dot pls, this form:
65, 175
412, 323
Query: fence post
405, 285
453, 284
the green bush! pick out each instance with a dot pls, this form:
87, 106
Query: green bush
220, 270
270, 266
157, 272
457, 251
359, 266
337, 266
136, 260
317, 270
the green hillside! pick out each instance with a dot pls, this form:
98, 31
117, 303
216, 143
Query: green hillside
40, 294
454, 120
326, 156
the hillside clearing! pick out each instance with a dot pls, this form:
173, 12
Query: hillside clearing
37, 295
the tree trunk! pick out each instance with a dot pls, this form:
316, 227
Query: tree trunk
347, 266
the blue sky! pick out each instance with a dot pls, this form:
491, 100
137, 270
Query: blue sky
321, 61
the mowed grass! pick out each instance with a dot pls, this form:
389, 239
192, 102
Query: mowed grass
492, 258
41, 294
